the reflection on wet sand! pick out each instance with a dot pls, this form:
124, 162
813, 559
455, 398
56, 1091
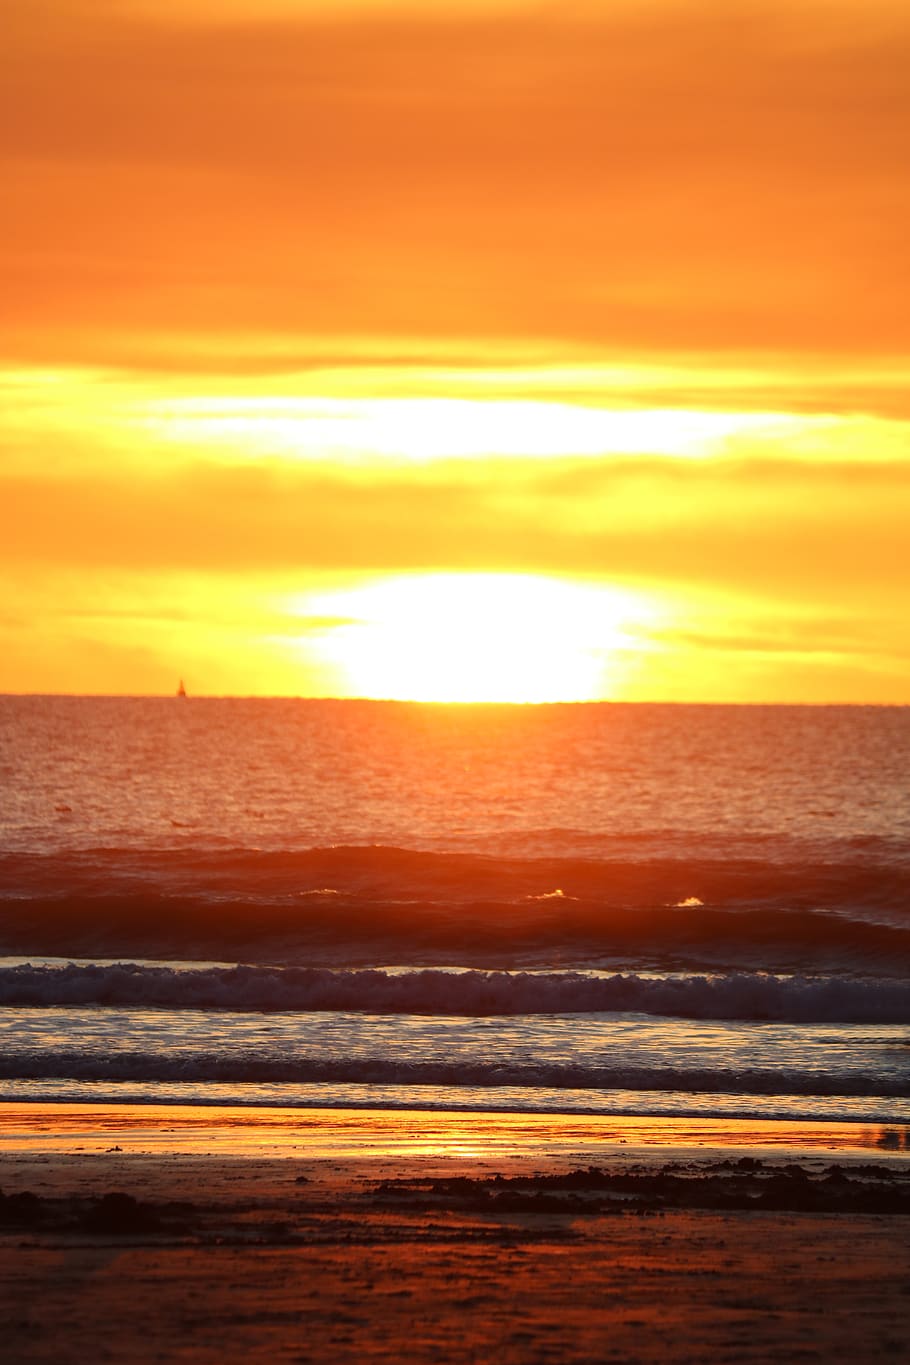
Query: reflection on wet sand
324, 1133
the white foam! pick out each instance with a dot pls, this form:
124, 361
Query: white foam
738, 995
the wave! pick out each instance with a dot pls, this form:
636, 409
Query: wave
358, 905
210, 1068
663, 867
888, 1114
737, 996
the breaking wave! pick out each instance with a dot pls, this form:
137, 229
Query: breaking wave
201, 1068
737, 996
365, 904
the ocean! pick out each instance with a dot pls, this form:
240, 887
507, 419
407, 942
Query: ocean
591, 908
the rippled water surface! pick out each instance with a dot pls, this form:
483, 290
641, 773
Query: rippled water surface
613, 908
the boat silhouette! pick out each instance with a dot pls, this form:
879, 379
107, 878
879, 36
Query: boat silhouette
181, 690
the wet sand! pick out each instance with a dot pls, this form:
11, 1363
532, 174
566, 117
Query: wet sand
179, 1234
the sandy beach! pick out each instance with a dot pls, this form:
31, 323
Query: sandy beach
153, 1233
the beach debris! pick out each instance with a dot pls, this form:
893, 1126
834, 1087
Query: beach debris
119, 1213
725, 1185
21, 1210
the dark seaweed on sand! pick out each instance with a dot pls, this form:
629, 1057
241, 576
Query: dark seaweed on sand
113, 1214
744, 1185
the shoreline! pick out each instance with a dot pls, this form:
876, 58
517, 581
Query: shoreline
408, 1134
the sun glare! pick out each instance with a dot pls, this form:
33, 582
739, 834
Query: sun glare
483, 638
357, 430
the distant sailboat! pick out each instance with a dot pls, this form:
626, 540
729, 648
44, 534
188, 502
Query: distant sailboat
181, 690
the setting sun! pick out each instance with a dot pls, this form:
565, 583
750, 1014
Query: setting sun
483, 637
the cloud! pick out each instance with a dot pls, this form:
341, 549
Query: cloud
670, 175
804, 532
804, 636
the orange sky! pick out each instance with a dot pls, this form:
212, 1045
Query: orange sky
565, 343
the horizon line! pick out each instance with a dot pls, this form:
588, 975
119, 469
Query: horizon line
414, 701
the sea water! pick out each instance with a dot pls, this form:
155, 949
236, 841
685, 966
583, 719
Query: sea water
605, 908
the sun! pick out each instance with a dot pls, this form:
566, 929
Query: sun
481, 637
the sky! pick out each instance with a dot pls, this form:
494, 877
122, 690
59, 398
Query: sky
473, 350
